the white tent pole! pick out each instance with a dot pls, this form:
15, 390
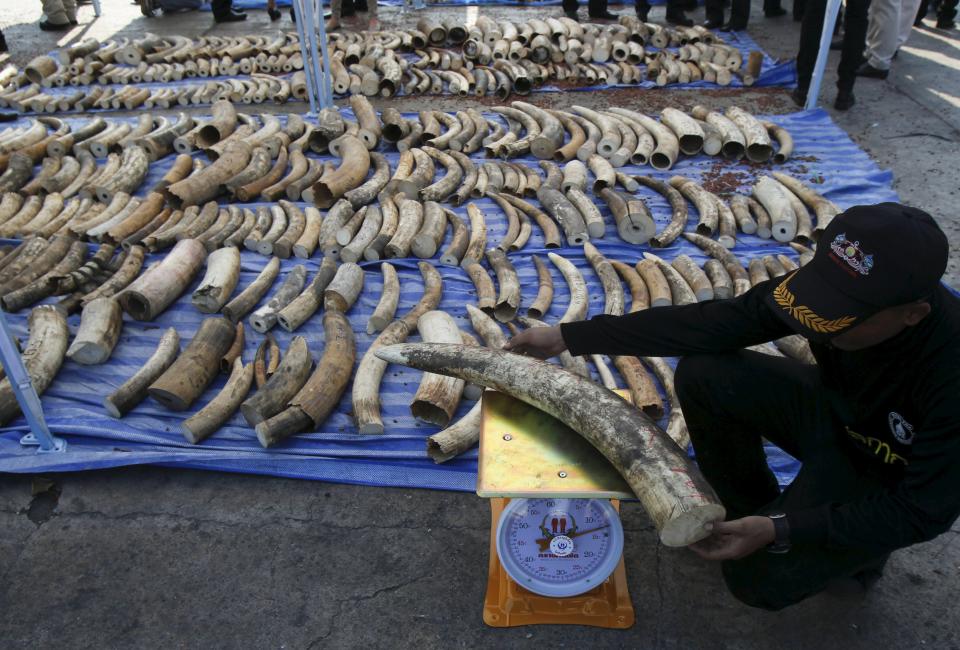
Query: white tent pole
829, 22
299, 20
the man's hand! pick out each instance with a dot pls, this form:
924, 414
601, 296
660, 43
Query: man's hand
732, 540
540, 342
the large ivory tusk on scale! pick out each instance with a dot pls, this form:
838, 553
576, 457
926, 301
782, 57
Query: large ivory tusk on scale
671, 489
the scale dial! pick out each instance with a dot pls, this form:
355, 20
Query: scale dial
559, 547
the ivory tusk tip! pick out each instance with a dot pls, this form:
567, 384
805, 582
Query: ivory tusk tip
393, 354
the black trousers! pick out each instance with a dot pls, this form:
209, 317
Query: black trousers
946, 10
594, 7
731, 402
854, 41
739, 10
221, 7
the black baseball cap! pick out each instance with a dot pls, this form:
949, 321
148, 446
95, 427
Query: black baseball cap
868, 258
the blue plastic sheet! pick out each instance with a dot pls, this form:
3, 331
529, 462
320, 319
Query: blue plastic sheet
824, 156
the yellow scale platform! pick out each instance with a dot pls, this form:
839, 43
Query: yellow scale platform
526, 453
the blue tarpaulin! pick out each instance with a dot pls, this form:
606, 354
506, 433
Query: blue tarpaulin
824, 156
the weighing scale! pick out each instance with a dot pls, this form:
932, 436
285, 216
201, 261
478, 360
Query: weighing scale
556, 542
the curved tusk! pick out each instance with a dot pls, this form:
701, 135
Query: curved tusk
42, 357
577, 309
366, 382
322, 391
389, 298
265, 318
211, 417
508, 300
187, 377
237, 308
680, 503
306, 304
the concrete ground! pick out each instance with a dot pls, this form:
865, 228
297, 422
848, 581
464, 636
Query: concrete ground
148, 557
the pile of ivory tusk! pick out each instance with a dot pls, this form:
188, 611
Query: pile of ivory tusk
363, 209
497, 58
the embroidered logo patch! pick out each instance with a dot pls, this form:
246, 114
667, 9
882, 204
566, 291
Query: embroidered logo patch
851, 253
900, 428
807, 317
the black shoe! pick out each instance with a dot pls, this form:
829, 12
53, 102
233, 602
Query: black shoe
945, 24
845, 100
47, 26
799, 96
679, 18
775, 13
837, 43
643, 13
274, 14
572, 15
733, 27
231, 17
605, 15
713, 24
867, 70
3, 44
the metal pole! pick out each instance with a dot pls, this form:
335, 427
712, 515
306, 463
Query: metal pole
312, 29
829, 22
26, 395
325, 78
299, 17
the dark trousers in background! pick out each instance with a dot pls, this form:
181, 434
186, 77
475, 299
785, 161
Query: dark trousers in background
854, 41
730, 403
594, 7
739, 10
946, 10
221, 7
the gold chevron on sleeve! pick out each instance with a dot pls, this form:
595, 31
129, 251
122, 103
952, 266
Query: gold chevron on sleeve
807, 317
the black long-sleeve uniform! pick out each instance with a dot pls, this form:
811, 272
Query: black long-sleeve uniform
899, 402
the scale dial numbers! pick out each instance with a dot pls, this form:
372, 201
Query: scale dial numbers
559, 547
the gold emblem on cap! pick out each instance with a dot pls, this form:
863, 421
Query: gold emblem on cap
807, 317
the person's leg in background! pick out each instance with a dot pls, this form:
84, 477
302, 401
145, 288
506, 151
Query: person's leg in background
908, 14
773, 9
272, 10
223, 12
642, 8
946, 14
56, 18
598, 9
3, 43
810, 30
798, 10
739, 16
714, 11
676, 14
882, 36
851, 54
